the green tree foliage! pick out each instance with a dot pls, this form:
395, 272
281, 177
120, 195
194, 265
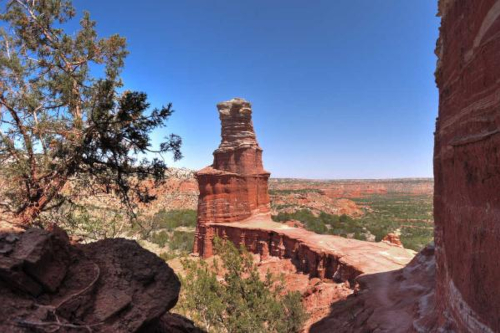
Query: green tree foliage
179, 242
324, 223
64, 110
173, 219
241, 302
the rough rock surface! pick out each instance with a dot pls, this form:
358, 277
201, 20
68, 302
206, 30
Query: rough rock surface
235, 186
234, 204
467, 165
317, 294
391, 301
392, 239
323, 256
114, 285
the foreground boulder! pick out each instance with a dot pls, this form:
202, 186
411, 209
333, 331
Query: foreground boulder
114, 285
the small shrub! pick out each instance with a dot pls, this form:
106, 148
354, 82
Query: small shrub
173, 219
242, 302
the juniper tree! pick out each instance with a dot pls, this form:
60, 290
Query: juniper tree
64, 110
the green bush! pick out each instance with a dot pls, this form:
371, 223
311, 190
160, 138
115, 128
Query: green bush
182, 241
161, 238
173, 219
410, 214
179, 242
242, 302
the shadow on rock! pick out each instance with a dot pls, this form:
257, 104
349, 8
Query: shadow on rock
114, 285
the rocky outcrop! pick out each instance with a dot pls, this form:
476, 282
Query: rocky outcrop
467, 165
392, 239
235, 186
326, 257
114, 285
234, 205
392, 301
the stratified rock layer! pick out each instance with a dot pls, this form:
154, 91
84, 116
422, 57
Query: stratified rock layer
323, 256
467, 165
394, 301
234, 187
234, 205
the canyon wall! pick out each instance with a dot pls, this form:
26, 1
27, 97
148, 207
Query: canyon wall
467, 165
327, 257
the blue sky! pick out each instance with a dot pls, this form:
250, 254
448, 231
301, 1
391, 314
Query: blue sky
340, 89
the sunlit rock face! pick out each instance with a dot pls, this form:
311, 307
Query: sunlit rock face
235, 186
238, 151
467, 165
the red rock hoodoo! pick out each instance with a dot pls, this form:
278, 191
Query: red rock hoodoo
467, 165
235, 186
234, 205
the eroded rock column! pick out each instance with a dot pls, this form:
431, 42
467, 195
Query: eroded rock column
235, 186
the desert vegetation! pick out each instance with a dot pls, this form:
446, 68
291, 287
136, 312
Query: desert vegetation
65, 111
408, 215
242, 301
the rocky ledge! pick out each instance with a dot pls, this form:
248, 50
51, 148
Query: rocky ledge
114, 285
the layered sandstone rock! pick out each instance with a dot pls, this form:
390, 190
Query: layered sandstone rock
467, 165
392, 301
234, 204
234, 187
357, 188
326, 257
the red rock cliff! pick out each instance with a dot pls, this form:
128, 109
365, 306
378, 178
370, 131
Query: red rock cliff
467, 165
235, 186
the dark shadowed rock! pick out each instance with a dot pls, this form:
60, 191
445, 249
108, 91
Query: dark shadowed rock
112, 285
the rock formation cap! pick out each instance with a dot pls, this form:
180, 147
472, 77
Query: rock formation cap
237, 127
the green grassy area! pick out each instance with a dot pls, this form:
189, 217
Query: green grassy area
170, 220
179, 242
299, 191
411, 215
172, 230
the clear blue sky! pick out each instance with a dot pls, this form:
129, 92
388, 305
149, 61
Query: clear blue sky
340, 89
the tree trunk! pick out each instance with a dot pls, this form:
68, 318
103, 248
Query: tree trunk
32, 211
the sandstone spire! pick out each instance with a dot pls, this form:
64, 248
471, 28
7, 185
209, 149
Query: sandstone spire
234, 187
237, 127
238, 151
